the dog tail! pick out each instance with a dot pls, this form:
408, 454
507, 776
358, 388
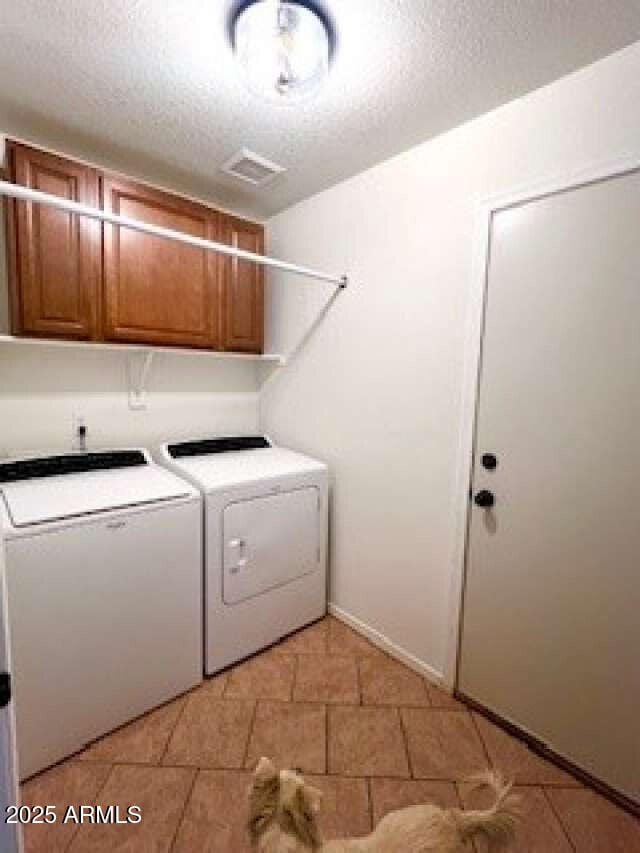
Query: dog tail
496, 823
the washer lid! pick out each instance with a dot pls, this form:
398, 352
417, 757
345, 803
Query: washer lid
226, 444
221, 470
54, 497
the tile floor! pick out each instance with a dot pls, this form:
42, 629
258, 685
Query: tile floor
373, 735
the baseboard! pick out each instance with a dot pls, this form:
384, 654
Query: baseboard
384, 643
544, 751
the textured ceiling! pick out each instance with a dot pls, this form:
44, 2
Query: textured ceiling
150, 86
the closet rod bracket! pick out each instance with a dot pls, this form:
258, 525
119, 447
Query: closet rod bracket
138, 369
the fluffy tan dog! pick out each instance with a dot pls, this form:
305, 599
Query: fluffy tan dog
283, 811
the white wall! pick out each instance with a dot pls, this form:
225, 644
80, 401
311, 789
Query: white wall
376, 391
41, 389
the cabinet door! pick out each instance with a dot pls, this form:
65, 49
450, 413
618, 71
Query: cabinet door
55, 269
156, 290
242, 288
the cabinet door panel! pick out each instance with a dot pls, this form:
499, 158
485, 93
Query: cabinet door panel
57, 257
157, 290
242, 288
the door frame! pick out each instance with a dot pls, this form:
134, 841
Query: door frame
472, 371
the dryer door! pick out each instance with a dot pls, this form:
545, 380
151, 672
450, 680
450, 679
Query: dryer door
269, 541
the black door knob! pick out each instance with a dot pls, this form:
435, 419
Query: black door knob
489, 461
485, 499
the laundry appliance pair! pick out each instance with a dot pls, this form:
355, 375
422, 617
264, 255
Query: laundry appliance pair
113, 559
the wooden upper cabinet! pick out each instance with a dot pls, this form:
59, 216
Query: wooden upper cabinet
54, 256
74, 277
159, 291
242, 287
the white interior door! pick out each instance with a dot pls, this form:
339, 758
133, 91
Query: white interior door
8, 778
551, 626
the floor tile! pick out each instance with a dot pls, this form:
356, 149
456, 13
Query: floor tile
214, 685
308, 641
366, 742
140, 742
215, 820
161, 793
593, 824
538, 829
69, 784
211, 732
515, 760
439, 698
344, 812
342, 640
326, 678
390, 794
290, 734
230, 720
384, 681
442, 744
266, 676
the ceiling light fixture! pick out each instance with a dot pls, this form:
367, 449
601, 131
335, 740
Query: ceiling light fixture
284, 47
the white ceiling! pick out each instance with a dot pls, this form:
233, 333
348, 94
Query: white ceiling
151, 86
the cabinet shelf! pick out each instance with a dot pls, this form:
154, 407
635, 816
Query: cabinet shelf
140, 358
99, 346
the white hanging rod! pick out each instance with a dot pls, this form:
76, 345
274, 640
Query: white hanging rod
28, 194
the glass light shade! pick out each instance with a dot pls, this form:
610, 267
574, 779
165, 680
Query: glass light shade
284, 49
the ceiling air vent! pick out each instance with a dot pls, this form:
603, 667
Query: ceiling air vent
251, 168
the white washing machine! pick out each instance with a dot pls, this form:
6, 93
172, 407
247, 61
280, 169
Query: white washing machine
104, 589
265, 512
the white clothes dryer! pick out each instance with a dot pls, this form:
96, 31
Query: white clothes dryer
265, 540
